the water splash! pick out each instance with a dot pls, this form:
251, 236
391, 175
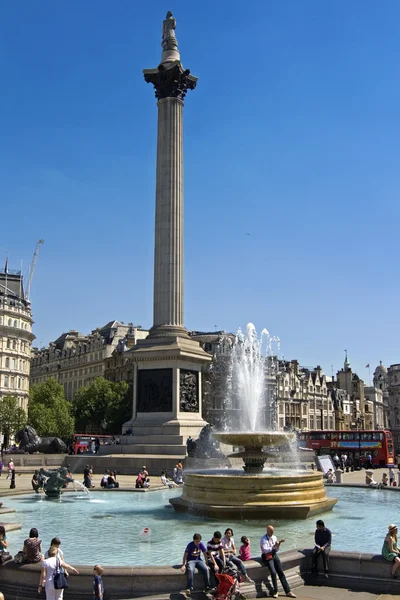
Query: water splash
77, 484
251, 380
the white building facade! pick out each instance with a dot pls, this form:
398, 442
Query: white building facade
15, 338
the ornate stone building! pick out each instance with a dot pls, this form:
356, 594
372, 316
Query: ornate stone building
393, 388
15, 337
343, 407
364, 407
75, 359
303, 401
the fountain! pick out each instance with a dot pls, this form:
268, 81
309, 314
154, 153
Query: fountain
56, 480
254, 492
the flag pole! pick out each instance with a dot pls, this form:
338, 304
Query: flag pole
368, 366
6, 270
20, 283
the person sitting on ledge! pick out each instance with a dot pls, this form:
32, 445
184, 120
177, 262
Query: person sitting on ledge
323, 539
103, 482
146, 483
390, 550
166, 481
229, 548
32, 547
111, 482
192, 560
3, 544
140, 480
385, 480
244, 550
35, 482
216, 557
269, 555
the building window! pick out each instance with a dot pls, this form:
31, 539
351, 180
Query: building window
7, 363
6, 381
13, 363
14, 344
19, 383
15, 324
9, 322
8, 344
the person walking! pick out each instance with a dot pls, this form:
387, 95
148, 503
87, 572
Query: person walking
270, 545
11, 468
323, 540
49, 568
98, 587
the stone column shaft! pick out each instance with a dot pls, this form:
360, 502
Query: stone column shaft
168, 259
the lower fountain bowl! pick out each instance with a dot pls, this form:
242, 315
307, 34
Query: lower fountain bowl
284, 496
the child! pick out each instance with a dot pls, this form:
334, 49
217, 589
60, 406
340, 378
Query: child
98, 587
391, 475
244, 550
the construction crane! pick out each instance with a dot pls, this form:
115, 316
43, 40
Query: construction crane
32, 269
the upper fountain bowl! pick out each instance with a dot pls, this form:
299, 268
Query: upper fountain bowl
253, 439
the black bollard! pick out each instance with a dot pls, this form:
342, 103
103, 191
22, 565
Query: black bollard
12, 484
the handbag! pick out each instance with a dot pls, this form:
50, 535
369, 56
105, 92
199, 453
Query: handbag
59, 579
4, 556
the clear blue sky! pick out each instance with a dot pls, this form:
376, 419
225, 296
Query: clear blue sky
292, 135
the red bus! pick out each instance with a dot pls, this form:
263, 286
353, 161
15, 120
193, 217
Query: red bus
357, 444
82, 441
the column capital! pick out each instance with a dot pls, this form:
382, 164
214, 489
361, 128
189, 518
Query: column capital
172, 81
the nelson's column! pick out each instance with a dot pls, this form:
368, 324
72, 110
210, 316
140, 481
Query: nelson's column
167, 374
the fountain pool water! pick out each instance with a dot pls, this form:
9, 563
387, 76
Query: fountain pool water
84, 525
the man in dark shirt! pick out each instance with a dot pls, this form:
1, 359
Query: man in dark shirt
323, 539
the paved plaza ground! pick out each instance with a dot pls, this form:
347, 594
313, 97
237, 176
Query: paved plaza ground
330, 593
127, 482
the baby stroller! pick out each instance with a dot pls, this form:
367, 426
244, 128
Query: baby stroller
229, 585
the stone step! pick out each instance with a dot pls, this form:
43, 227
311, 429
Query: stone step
4, 510
150, 449
174, 440
11, 526
126, 464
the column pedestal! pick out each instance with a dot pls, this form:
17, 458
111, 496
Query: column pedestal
167, 390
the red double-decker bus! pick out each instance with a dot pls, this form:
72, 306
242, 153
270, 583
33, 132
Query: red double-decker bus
356, 444
81, 441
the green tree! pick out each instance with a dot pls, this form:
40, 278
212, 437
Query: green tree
49, 412
12, 417
103, 405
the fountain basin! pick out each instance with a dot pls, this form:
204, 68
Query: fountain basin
254, 440
268, 496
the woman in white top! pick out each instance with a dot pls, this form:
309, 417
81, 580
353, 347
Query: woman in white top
229, 548
57, 543
49, 566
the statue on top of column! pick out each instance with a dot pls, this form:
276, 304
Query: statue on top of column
169, 41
